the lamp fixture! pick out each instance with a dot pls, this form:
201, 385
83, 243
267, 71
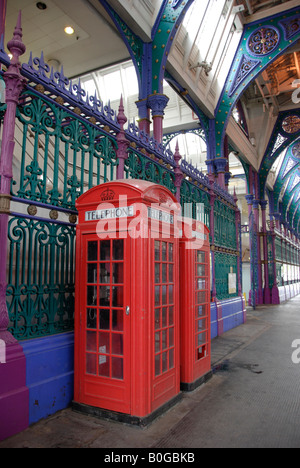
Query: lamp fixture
69, 30
41, 5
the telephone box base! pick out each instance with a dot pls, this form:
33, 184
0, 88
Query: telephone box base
190, 387
125, 418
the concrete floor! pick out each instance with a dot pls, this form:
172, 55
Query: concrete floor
252, 401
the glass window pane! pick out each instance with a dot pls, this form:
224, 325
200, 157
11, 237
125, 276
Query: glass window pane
157, 250
164, 317
118, 249
164, 295
104, 273
104, 320
200, 270
118, 273
92, 295
171, 252
112, 82
201, 297
157, 342
117, 344
164, 251
164, 273
104, 347
200, 325
117, 296
157, 295
200, 311
171, 276
91, 341
171, 337
164, 362
105, 250
171, 316
117, 368
104, 296
104, 362
91, 319
157, 319
92, 273
200, 339
171, 358
92, 251
164, 339
157, 273
200, 257
171, 294
201, 284
117, 324
91, 364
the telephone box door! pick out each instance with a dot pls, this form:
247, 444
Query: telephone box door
104, 360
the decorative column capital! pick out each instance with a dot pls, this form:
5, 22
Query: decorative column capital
221, 164
249, 199
256, 204
264, 204
158, 103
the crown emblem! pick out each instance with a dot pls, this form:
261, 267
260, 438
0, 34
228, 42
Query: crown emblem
107, 195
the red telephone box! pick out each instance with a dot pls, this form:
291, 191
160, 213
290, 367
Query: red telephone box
127, 301
195, 334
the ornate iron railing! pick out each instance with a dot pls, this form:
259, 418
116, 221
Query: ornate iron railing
68, 142
40, 292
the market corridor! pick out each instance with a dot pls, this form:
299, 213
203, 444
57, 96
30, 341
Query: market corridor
251, 401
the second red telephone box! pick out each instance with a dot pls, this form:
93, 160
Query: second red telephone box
127, 301
195, 339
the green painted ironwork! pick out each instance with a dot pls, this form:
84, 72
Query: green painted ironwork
190, 194
40, 292
61, 156
138, 166
225, 227
224, 265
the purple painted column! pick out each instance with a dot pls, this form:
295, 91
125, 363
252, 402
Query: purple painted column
213, 196
144, 115
122, 141
259, 265
239, 260
237, 229
267, 291
178, 172
13, 392
275, 290
250, 199
3, 6
158, 103
221, 164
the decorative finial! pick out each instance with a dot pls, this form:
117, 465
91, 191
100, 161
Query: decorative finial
121, 118
177, 155
16, 45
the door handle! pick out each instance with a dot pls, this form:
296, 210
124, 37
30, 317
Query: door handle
127, 310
